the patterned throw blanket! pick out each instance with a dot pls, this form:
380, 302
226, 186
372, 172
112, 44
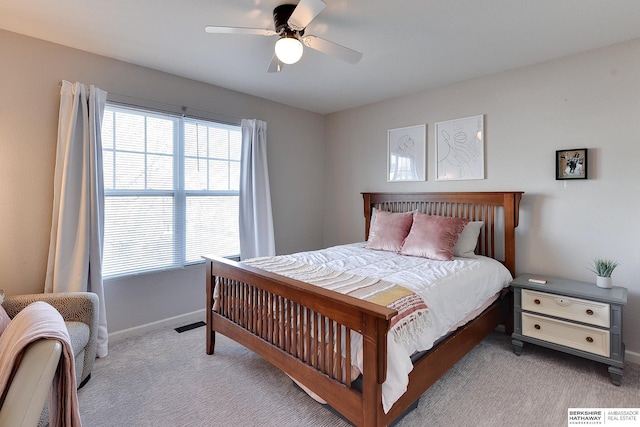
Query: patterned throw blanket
413, 314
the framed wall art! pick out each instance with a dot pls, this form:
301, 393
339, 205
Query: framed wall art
571, 164
460, 149
407, 154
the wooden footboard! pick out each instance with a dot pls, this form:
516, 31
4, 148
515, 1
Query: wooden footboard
306, 331
293, 324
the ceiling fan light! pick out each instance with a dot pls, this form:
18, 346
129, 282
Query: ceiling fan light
289, 49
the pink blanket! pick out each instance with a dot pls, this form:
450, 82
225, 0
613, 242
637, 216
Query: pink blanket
36, 321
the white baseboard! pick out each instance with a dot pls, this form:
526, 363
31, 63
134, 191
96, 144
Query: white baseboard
632, 356
171, 322
196, 316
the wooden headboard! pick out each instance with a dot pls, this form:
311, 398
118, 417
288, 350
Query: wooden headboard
498, 210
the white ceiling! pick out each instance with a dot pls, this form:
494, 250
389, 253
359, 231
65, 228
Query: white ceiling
408, 46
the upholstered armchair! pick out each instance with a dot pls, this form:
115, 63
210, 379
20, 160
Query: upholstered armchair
80, 313
26, 393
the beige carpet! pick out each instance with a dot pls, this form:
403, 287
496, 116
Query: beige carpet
165, 378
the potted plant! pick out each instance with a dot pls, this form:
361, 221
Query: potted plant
603, 268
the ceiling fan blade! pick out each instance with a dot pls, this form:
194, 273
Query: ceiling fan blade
275, 66
239, 30
325, 46
304, 13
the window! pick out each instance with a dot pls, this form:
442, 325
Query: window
171, 190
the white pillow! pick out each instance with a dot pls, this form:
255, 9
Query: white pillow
374, 211
468, 240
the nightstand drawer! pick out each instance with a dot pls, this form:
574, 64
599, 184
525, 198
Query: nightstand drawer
580, 337
591, 312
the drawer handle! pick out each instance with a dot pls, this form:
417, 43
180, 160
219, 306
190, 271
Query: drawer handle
590, 312
537, 301
538, 327
589, 339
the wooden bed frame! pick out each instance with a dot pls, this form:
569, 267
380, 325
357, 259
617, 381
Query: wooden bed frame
274, 316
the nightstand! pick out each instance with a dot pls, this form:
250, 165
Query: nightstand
574, 317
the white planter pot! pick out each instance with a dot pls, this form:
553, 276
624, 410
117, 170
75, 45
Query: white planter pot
603, 282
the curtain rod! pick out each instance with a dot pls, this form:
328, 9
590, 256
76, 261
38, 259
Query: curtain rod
169, 108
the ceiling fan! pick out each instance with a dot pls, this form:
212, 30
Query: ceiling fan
290, 22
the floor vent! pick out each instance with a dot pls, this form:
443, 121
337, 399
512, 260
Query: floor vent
189, 327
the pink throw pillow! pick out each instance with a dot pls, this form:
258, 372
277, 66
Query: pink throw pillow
389, 230
433, 237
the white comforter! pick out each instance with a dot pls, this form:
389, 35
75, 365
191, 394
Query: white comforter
451, 289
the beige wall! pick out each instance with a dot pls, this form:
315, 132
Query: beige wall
30, 72
590, 100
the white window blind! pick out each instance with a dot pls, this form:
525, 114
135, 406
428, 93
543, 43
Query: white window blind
171, 190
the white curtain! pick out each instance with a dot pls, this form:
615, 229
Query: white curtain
256, 221
77, 226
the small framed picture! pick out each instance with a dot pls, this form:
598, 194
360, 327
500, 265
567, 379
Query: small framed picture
571, 164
